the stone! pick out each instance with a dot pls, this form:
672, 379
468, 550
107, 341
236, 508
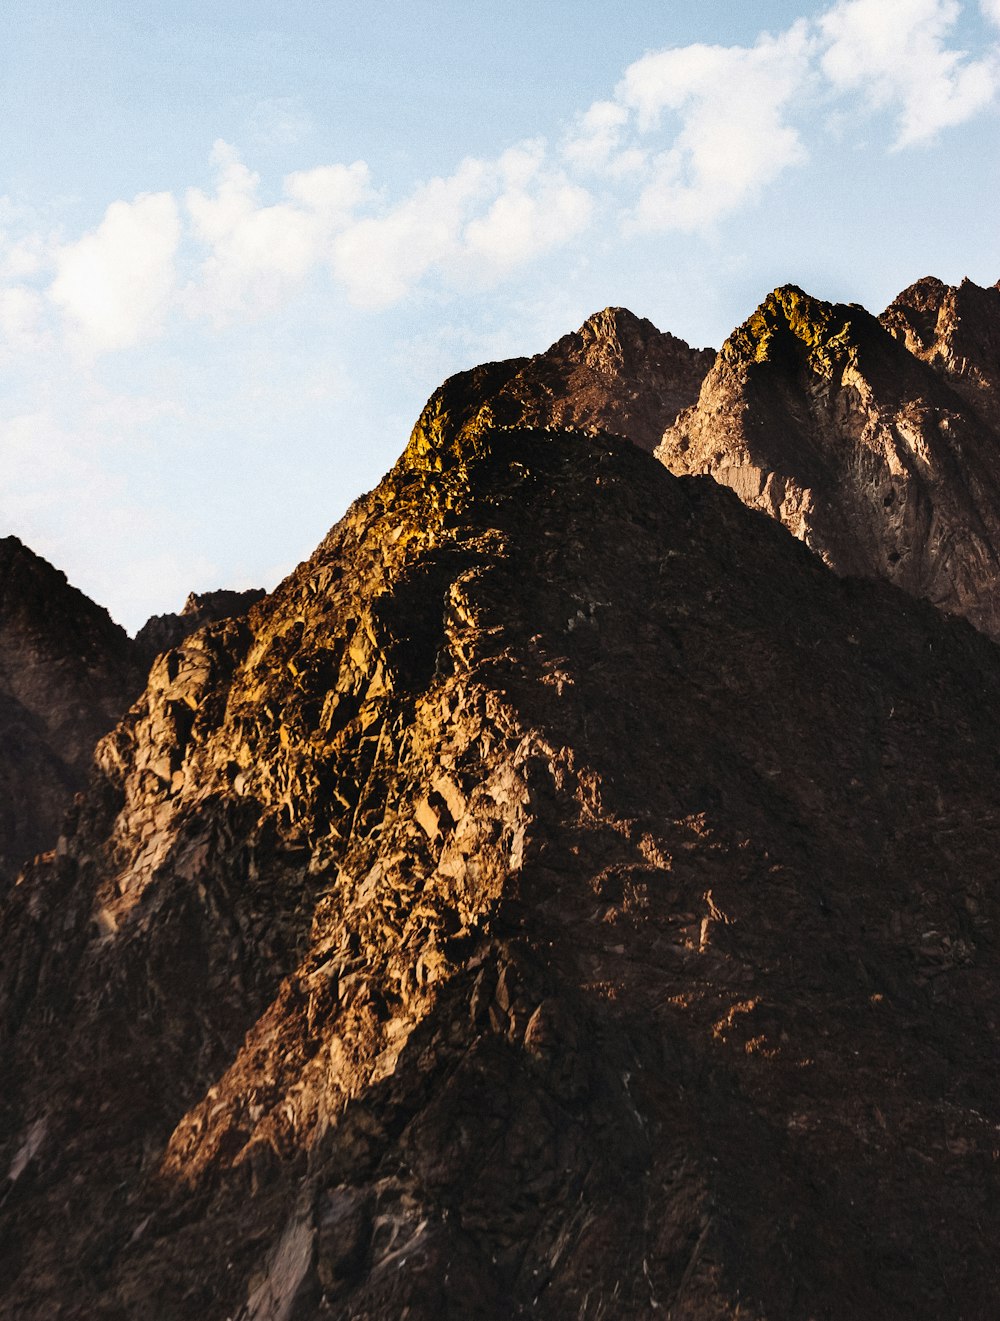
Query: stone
584, 1050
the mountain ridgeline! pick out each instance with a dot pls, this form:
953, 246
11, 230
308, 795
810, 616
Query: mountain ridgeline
874, 441
568, 894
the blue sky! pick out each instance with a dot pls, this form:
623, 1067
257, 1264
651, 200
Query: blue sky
241, 243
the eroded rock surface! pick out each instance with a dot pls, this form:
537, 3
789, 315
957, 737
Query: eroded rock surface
563, 897
873, 442
67, 673
956, 329
161, 632
617, 374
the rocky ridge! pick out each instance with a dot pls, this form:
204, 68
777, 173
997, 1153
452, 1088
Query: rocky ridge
486, 925
873, 441
956, 329
67, 673
616, 375
162, 632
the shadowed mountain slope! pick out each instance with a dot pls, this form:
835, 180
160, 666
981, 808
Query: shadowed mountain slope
161, 632
563, 896
67, 672
882, 459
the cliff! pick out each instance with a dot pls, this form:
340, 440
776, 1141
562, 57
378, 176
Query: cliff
873, 442
564, 896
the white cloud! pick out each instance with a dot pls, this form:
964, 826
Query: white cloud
535, 210
894, 52
260, 254
380, 258
22, 257
114, 285
991, 10
596, 141
473, 226
731, 134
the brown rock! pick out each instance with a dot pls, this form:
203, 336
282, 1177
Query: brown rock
67, 673
686, 1005
879, 458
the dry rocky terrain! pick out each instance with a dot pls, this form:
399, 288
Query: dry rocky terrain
67, 673
874, 441
565, 896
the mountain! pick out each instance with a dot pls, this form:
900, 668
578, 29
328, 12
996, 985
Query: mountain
957, 331
564, 896
873, 441
67, 673
162, 632
617, 374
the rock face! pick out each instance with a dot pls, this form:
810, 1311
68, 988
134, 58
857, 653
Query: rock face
161, 632
563, 896
873, 442
616, 375
956, 331
67, 672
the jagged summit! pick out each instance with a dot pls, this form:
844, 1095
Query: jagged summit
617, 374
957, 331
824, 418
791, 325
161, 632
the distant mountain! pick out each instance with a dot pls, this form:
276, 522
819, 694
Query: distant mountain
956, 331
161, 632
874, 442
563, 897
617, 374
67, 674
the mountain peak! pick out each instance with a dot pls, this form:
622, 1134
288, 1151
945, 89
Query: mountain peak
617, 374
791, 325
857, 434
956, 331
618, 323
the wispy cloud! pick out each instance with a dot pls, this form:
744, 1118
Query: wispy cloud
258, 255
485, 219
729, 133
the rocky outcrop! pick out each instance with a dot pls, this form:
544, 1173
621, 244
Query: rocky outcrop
957, 331
562, 897
67, 673
161, 632
872, 442
617, 374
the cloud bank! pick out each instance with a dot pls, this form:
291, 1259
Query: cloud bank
690, 136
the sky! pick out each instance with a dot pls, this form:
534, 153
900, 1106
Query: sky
241, 243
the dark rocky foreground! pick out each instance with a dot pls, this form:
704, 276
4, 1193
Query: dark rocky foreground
563, 897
